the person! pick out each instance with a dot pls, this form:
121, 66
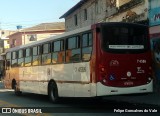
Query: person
156, 65
1, 75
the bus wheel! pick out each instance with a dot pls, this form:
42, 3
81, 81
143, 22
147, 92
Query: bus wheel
53, 92
16, 90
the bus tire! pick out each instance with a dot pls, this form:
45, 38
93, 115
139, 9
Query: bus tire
53, 92
16, 91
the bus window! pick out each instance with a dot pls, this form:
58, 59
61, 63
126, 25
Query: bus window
46, 55
56, 46
58, 55
28, 57
20, 58
36, 56
8, 58
125, 39
86, 46
14, 59
73, 52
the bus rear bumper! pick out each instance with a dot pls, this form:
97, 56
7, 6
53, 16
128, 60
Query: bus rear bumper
103, 90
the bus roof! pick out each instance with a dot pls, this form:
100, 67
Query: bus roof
74, 32
66, 34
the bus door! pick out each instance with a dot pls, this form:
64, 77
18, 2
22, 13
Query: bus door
2, 69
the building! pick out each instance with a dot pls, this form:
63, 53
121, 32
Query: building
135, 11
154, 16
84, 13
35, 33
87, 12
4, 40
4, 44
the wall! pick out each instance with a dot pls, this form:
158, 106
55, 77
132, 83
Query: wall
39, 35
133, 12
16, 36
154, 16
154, 4
22, 37
6, 43
121, 2
96, 12
107, 11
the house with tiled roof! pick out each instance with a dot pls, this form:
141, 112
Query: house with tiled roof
36, 33
4, 40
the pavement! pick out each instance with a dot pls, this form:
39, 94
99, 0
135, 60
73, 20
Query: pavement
144, 98
147, 98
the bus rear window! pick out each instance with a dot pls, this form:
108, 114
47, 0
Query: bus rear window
125, 39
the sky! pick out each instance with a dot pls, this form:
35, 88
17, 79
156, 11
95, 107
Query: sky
28, 13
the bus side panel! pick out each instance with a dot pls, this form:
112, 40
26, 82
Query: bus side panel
7, 81
73, 80
29, 82
42, 76
81, 77
63, 75
93, 89
21, 75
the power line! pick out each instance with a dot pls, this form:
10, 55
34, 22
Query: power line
26, 24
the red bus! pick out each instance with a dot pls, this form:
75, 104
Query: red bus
123, 59
94, 61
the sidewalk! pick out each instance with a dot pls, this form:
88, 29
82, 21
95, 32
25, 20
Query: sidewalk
149, 98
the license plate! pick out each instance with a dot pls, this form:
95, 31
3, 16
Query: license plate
128, 83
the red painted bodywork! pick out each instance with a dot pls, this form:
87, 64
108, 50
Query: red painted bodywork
126, 63
112, 69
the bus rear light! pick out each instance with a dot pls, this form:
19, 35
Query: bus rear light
102, 69
104, 80
103, 74
149, 78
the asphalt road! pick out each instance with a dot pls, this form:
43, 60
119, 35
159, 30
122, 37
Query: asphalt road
67, 106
